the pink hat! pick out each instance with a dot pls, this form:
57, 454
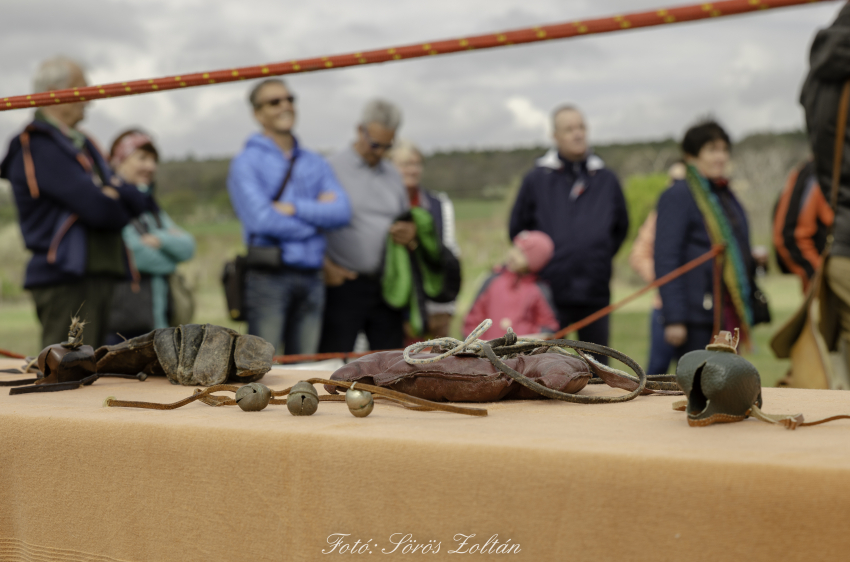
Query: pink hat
127, 146
537, 248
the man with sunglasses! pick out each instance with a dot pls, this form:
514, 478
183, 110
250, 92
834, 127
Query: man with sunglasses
355, 257
286, 198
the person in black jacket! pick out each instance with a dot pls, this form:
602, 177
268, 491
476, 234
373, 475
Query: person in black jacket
71, 209
829, 70
571, 196
694, 214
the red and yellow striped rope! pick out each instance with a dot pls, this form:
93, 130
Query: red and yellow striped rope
491, 40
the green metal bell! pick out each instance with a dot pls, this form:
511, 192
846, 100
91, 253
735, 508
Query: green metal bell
303, 400
721, 386
253, 397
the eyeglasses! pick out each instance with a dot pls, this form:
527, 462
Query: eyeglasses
375, 145
274, 102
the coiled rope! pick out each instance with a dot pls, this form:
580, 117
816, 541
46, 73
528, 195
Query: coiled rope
510, 344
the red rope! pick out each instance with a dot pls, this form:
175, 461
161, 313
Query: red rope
675, 274
716, 250
286, 359
11, 354
562, 30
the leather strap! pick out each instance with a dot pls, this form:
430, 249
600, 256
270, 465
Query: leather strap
283, 185
135, 275
57, 386
289, 175
54, 387
29, 165
790, 421
18, 382
840, 132
57, 239
206, 397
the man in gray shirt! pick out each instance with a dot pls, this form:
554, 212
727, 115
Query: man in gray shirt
355, 254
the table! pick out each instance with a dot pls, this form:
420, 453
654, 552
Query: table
563, 481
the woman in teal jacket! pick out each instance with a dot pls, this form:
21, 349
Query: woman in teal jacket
155, 241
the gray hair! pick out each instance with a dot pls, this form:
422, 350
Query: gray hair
383, 113
54, 74
562, 108
403, 148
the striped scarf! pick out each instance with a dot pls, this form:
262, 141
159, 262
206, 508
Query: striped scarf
735, 277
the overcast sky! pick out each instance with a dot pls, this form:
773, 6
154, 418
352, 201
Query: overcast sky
642, 84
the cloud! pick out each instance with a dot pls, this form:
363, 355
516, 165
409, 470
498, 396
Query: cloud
638, 84
526, 115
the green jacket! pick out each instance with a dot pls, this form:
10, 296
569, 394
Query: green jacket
412, 275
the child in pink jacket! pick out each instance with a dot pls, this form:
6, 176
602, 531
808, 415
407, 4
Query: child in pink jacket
512, 297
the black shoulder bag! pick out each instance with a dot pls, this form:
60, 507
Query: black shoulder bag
258, 257
131, 312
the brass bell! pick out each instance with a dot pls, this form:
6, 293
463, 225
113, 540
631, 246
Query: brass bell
253, 397
303, 400
360, 402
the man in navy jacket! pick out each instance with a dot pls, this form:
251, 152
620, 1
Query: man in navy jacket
579, 203
71, 209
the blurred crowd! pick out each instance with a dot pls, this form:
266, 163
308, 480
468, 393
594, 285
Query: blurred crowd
351, 246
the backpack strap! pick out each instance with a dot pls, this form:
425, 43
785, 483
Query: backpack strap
135, 276
54, 244
29, 165
485, 286
840, 131
282, 188
140, 227
287, 177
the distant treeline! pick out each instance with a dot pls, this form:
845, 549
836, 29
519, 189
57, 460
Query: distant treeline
196, 189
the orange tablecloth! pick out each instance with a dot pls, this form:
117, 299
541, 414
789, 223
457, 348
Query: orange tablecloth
564, 481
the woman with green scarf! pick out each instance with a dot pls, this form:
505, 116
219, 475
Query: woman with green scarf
694, 214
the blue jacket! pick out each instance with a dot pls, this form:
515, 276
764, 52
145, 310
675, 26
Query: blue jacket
65, 201
587, 225
255, 177
177, 246
680, 237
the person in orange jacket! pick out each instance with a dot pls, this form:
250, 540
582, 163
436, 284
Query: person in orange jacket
800, 222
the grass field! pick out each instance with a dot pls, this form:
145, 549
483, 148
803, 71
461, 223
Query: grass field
482, 235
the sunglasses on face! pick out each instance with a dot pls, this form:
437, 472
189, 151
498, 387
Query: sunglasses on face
274, 102
375, 145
